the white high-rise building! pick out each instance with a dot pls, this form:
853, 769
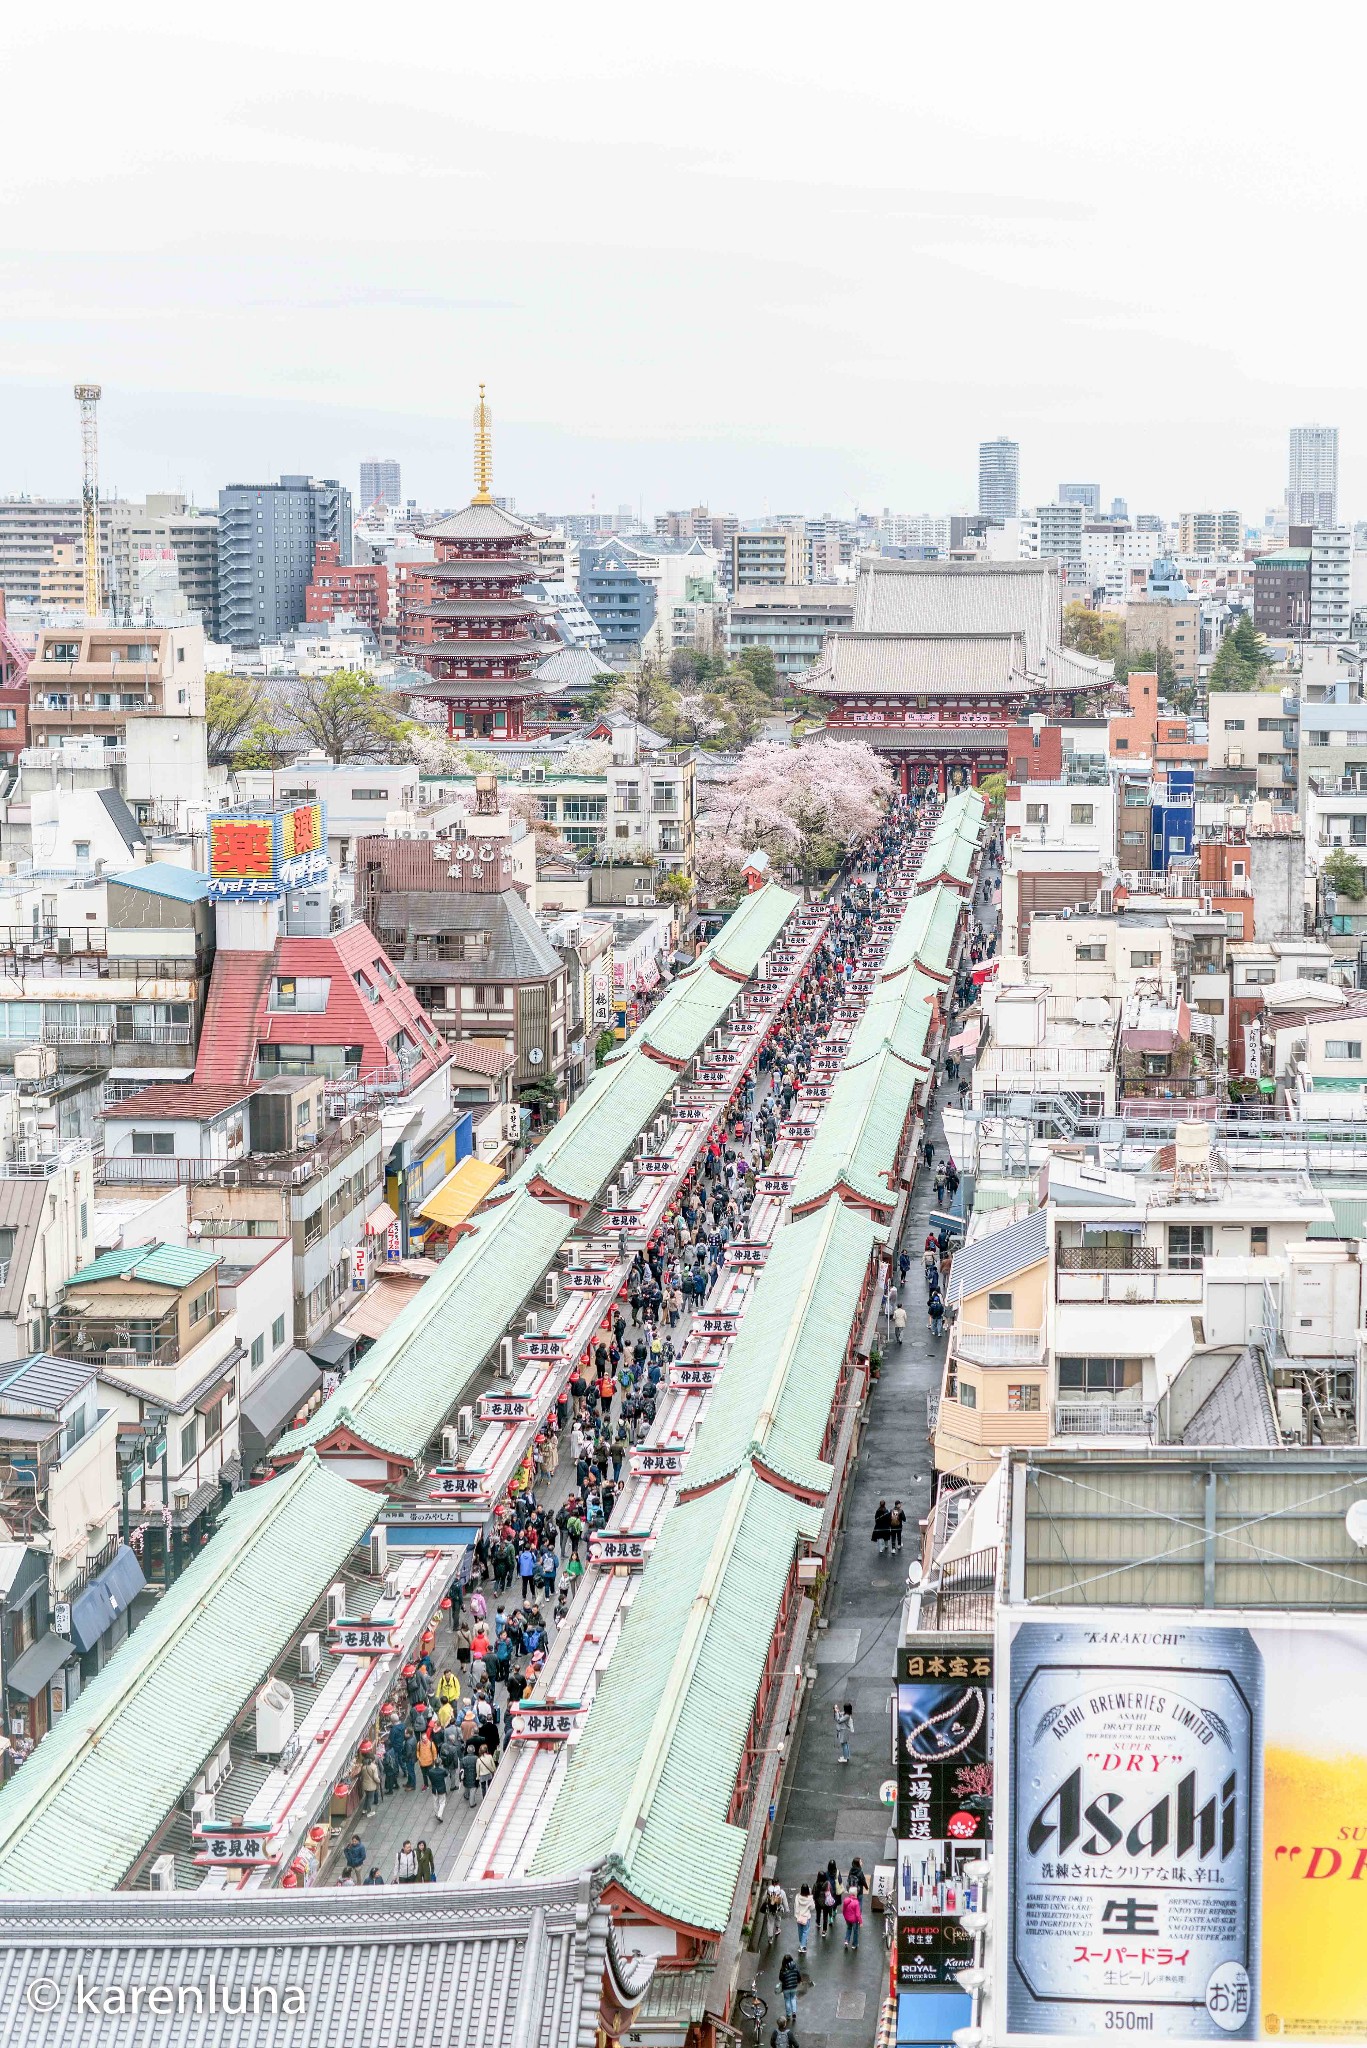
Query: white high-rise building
1331, 583
1312, 483
999, 478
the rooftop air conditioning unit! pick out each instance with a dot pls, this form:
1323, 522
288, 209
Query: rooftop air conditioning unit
231, 1177
336, 1599
274, 1717
465, 1425
613, 1196
310, 1654
507, 1358
216, 1771
552, 1286
530, 1325
379, 1553
163, 1875
203, 1813
391, 1580
450, 1444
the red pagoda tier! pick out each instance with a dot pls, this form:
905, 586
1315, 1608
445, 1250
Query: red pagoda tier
463, 617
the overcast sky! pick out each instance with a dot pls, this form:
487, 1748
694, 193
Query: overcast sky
766, 256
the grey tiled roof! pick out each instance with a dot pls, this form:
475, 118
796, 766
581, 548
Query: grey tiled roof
1000, 1254
963, 597
518, 948
513, 1965
909, 664
1238, 1410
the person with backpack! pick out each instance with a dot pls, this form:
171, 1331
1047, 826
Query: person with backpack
804, 1912
823, 1895
852, 1913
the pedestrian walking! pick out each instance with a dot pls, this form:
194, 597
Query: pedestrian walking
437, 1783
353, 1856
844, 1729
406, 1864
882, 1528
804, 1912
898, 1520
824, 1893
899, 1321
789, 1978
852, 1913
426, 1862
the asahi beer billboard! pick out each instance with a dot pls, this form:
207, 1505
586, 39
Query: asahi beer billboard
1186, 1852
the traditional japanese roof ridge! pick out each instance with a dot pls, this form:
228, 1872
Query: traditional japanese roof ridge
925, 936
913, 664
522, 1963
95, 1789
752, 928
401, 1392
956, 597
772, 1405
482, 522
579, 1155
651, 1780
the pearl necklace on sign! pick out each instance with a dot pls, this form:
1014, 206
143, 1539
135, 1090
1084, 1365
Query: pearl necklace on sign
975, 1702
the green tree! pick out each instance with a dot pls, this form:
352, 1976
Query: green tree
646, 695
265, 744
348, 716
232, 704
993, 789
1092, 632
759, 664
1242, 661
1344, 874
676, 888
1156, 660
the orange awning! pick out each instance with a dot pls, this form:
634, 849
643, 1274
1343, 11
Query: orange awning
460, 1194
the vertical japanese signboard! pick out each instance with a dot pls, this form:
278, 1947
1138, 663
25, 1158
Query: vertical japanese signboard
944, 1798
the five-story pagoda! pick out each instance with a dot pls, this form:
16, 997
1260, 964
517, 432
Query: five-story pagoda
464, 619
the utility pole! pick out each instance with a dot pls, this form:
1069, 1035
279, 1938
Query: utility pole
88, 397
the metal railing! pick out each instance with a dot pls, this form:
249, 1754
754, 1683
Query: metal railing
1104, 1418
998, 1347
1105, 1258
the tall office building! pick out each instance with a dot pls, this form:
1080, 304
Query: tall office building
268, 536
999, 478
1086, 495
1312, 483
379, 484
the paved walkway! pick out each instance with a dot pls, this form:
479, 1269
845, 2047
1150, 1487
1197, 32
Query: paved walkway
833, 1808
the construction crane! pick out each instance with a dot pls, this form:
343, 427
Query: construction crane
88, 397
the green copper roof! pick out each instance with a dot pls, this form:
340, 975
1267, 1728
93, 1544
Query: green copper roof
114, 1764
417, 1372
580, 1154
751, 928
898, 1013
160, 1265
925, 932
858, 1139
650, 1781
696, 1003
773, 1402
952, 845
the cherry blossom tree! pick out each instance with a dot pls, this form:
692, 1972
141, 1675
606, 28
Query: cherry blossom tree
806, 806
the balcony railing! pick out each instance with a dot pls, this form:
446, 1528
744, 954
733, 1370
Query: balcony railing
1105, 1258
999, 1347
1104, 1418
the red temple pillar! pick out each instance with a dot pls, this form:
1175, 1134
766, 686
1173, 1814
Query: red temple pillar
973, 774
940, 777
905, 772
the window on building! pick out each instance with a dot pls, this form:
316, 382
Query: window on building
1083, 814
258, 1352
1257, 1240
203, 1305
1343, 1048
1037, 814
1147, 958
1234, 725
1022, 1400
1000, 1308
277, 1333
370, 796
968, 1395
153, 1144
213, 1421
1122, 745
189, 1441
1099, 1375
1096, 950
1188, 1246
1132, 839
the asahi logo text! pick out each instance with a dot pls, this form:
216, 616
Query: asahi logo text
1173, 1826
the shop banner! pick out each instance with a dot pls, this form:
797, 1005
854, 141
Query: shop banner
1187, 1852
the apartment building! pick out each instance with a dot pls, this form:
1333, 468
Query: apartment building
1172, 624
164, 526
766, 558
791, 622
29, 530
268, 541
1255, 734
1281, 591
1331, 584
360, 589
89, 682
1207, 534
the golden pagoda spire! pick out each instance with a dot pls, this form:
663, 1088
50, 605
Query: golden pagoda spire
484, 451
